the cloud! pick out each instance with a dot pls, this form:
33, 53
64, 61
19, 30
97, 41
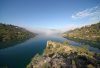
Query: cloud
92, 12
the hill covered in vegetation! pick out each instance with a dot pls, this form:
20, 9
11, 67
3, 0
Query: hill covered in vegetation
88, 34
63, 55
10, 33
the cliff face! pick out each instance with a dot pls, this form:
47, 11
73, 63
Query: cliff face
58, 55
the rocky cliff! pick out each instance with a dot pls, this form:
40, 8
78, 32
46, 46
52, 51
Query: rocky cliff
63, 55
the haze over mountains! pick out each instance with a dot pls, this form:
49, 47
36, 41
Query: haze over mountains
51, 31
49, 14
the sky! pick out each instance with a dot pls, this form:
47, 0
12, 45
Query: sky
49, 14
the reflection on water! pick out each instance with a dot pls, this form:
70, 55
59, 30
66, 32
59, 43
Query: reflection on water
18, 56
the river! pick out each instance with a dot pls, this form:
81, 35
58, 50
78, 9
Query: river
18, 56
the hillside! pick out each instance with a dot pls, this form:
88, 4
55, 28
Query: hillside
88, 34
63, 55
10, 33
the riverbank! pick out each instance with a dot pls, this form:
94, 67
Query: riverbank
64, 55
13, 42
89, 35
85, 42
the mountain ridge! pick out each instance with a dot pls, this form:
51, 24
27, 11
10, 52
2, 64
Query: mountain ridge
88, 35
11, 33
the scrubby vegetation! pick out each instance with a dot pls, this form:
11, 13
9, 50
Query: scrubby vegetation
58, 55
88, 34
10, 33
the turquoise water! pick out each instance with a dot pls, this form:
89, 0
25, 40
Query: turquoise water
18, 56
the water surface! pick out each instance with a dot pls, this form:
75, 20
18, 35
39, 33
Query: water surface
18, 56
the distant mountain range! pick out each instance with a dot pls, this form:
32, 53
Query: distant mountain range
10, 33
89, 34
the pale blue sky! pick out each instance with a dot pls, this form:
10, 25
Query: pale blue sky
51, 14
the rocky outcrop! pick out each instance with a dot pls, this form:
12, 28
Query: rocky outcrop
59, 55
